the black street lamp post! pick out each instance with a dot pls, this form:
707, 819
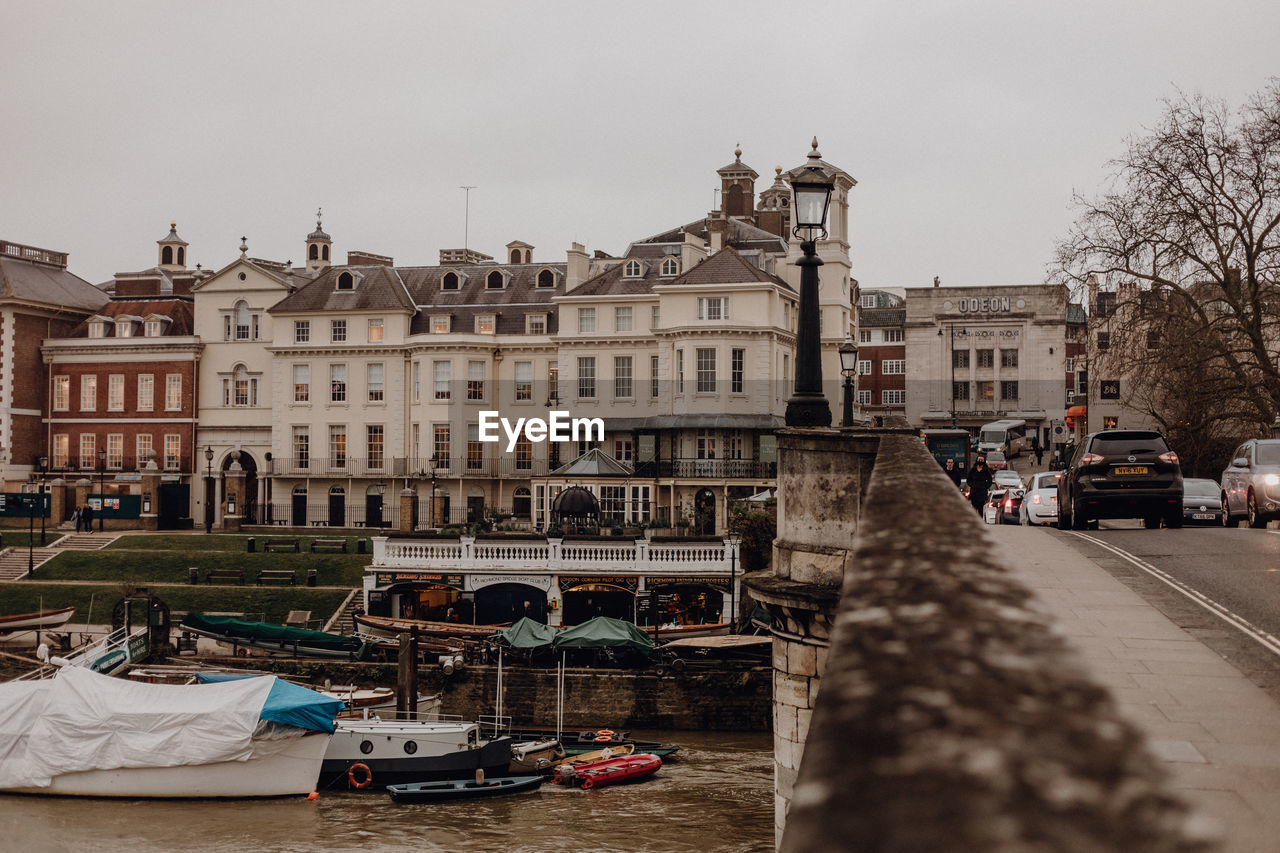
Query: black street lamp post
811, 184
31, 535
848, 366
734, 539
208, 490
102, 498
44, 467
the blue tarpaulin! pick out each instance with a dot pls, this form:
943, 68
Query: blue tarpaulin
288, 703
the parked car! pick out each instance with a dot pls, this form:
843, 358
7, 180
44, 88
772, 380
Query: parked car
1201, 501
1040, 503
1121, 473
1008, 479
1251, 483
996, 461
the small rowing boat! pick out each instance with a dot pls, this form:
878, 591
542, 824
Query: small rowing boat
611, 771
453, 789
40, 620
598, 755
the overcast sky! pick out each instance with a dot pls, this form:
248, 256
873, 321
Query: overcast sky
966, 124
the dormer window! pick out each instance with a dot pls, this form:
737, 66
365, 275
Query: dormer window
485, 324
633, 269
495, 280
97, 329
440, 325
153, 329
670, 266
546, 278
346, 281
124, 329
449, 282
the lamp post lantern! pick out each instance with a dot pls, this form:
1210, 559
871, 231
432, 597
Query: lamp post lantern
848, 366
811, 184
31, 535
208, 490
44, 467
102, 498
734, 539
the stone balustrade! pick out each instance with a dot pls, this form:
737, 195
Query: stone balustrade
554, 556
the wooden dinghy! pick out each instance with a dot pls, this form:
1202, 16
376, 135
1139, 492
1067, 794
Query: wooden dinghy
39, 620
391, 628
455, 789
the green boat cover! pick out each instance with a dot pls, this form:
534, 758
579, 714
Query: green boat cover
603, 632
528, 634
238, 629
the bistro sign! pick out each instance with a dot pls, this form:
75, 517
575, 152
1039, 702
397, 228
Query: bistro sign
388, 578
714, 582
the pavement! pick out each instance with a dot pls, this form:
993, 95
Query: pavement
1215, 731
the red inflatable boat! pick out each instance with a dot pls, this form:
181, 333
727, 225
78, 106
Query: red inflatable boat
610, 771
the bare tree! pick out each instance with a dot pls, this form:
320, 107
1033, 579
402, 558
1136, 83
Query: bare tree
1190, 216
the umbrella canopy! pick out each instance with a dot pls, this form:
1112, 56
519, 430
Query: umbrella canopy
527, 634
603, 632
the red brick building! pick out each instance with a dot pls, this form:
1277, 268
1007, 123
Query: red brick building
882, 353
39, 298
122, 384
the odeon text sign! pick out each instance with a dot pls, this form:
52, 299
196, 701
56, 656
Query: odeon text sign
983, 304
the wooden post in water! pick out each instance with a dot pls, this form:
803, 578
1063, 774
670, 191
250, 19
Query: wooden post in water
407, 678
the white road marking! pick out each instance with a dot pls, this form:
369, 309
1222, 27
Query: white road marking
1267, 641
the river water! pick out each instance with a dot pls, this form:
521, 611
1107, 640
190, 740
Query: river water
715, 794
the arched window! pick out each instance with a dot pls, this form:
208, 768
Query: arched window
346, 281
449, 282
314, 252
240, 389
546, 278
337, 491
182, 256
520, 503
300, 490
632, 269
166, 255
515, 256
494, 281
324, 252
244, 321
670, 266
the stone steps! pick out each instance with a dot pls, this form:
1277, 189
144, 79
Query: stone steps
14, 561
86, 541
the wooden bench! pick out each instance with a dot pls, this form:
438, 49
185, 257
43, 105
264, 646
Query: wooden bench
329, 545
225, 575
281, 545
277, 576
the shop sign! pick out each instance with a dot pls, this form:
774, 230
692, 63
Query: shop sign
542, 582
720, 583
627, 582
388, 578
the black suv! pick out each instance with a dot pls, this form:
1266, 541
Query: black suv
1121, 473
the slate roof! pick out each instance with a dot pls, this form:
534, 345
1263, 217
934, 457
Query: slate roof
378, 288
724, 267
178, 309
47, 284
741, 235
520, 296
883, 317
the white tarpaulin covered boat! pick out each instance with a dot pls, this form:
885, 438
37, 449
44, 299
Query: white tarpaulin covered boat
84, 734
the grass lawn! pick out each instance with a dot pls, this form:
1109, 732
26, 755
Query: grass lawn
14, 538
151, 565
271, 604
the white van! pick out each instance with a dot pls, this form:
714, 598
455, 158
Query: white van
1008, 436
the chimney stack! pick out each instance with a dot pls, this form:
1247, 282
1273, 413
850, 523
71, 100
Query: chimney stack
937, 282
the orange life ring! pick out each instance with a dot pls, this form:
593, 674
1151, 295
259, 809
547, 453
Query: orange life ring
603, 738
588, 782
605, 732
351, 775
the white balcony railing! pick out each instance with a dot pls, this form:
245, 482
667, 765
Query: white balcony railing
553, 556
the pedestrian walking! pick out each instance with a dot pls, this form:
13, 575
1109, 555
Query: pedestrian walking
75, 518
86, 518
1039, 455
979, 478
953, 471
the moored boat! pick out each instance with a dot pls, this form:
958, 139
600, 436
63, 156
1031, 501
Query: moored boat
85, 734
597, 755
275, 638
610, 771
390, 628
372, 754
39, 620
535, 755
454, 789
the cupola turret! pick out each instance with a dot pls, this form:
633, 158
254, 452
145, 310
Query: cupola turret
173, 250
318, 246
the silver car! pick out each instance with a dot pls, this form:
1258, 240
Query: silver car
1251, 484
1040, 506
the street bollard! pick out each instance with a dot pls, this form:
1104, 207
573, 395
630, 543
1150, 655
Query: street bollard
193, 575
359, 546
311, 577
252, 545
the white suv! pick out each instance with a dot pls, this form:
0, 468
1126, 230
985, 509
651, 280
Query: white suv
1251, 484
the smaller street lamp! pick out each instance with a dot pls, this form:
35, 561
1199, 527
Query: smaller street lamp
31, 535
734, 539
44, 467
102, 498
848, 366
208, 490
